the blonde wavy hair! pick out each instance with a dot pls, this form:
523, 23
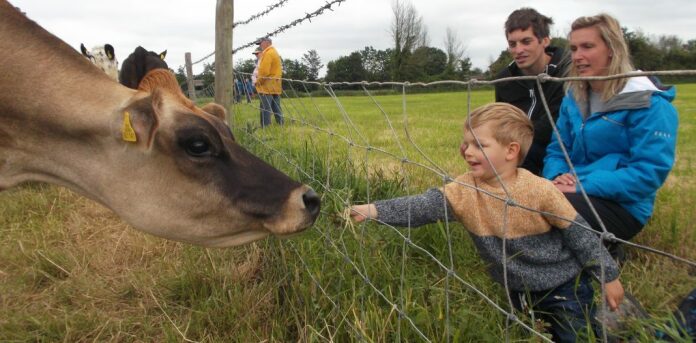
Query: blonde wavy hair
612, 35
510, 125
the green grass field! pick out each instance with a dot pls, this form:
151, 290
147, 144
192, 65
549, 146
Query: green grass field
71, 271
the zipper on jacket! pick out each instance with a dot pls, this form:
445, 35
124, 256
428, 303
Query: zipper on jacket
612, 121
531, 107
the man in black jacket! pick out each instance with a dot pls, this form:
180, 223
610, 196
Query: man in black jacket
527, 33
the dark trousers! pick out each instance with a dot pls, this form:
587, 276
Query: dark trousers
566, 308
615, 218
270, 104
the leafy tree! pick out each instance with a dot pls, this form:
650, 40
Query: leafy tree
501, 62
464, 70
677, 59
426, 64
677, 55
384, 60
208, 75
691, 45
346, 68
246, 66
476, 73
645, 55
313, 64
293, 69
377, 63
180, 75
669, 43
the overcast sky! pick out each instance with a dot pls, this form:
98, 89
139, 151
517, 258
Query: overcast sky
180, 26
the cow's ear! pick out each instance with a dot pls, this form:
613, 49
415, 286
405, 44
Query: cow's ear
140, 120
109, 50
83, 50
216, 110
163, 54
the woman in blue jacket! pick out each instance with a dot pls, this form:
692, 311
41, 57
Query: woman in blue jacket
620, 134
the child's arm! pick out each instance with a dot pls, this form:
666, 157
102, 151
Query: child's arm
583, 242
415, 210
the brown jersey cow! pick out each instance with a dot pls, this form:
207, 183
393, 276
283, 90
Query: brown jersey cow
161, 167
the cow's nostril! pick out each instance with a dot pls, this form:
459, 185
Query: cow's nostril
312, 202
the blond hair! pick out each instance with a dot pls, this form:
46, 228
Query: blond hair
510, 125
612, 35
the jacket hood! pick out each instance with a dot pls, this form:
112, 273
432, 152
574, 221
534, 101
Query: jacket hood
637, 94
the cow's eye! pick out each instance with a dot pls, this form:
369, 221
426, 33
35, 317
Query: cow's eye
198, 147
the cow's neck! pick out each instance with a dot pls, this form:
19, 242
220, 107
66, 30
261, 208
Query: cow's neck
56, 140
52, 109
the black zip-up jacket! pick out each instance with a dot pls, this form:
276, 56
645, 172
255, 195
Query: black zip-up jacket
524, 95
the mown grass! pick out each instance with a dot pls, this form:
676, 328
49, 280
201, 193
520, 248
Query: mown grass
71, 271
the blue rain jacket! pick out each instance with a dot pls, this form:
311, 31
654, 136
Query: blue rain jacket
622, 152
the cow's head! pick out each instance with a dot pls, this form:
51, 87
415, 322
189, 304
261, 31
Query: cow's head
138, 64
165, 168
104, 57
188, 180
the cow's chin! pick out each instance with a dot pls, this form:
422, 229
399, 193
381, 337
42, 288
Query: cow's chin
239, 238
254, 234
289, 235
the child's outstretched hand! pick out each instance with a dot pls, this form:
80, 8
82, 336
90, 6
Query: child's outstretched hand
615, 294
361, 212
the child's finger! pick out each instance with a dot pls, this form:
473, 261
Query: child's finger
613, 305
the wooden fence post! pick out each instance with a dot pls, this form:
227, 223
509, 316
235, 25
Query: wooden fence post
224, 74
189, 77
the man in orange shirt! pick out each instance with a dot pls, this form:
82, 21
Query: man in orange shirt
269, 83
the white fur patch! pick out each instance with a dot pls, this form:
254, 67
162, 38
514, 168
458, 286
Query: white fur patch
100, 59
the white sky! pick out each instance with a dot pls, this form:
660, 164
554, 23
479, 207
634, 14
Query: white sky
189, 26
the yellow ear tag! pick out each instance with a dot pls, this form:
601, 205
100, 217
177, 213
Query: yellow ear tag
128, 134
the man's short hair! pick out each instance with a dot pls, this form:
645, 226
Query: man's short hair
510, 124
526, 17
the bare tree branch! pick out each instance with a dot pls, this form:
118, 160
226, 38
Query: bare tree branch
454, 47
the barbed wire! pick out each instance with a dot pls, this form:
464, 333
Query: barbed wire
280, 29
260, 14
